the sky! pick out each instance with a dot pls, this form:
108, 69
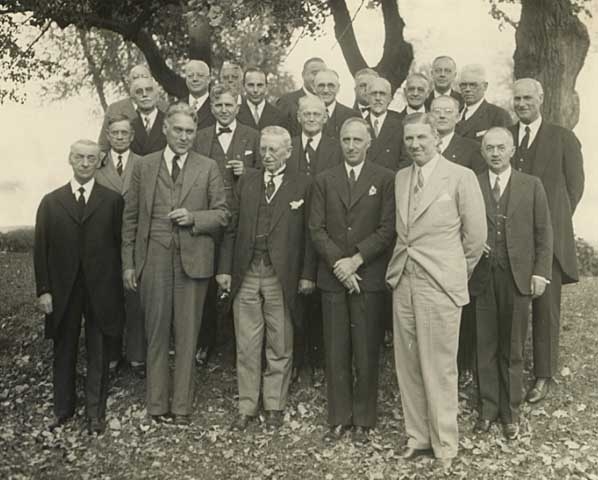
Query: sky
35, 136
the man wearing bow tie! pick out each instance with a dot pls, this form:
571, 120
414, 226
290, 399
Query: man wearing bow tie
352, 228
234, 147
77, 273
197, 79
265, 261
362, 79
148, 123
175, 207
114, 172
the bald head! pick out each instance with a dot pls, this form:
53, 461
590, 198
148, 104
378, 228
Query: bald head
84, 157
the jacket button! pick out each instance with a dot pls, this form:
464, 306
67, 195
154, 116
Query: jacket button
349, 228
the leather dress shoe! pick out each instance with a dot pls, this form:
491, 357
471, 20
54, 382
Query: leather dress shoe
510, 431
165, 418
96, 425
539, 390
138, 371
412, 453
274, 419
446, 464
359, 435
240, 422
58, 421
335, 433
482, 425
181, 420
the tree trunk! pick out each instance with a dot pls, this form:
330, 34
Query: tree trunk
94, 70
397, 54
551, 46
200, 36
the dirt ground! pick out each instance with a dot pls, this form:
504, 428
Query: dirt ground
559, 439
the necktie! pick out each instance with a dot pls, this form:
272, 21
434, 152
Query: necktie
418, 188
222, 130
352, 179
376, 127
119, 165
255, 112
146, 123
310, 153
525, 140
176, 169
270, 186
81, 201
464, 116
496, 189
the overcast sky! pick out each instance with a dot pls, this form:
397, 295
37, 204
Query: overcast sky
35, 138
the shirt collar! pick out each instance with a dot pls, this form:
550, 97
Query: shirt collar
410, 110
232, 125
198, 102
438, 94
307, 92
315, 140
114, 155
152, 115
274, 174
504, 177
427, 169
444, 141
472, 108
330, 108
356, 168
380, 118
169, 155
533, 129
75, 186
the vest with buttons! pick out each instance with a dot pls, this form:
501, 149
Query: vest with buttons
218, 154
496, 232
525, 162
166, 198
264, 219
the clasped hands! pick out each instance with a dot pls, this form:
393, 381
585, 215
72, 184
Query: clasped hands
181, 217
345, 270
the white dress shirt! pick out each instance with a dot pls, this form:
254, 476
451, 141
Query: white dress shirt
504, 178
471, 109
330, 109
169, 156
355, 168
226, 138
410, 110
315, 140
149, 119
276, 178
260, 108
380, 118
124, 156
197, 102
75, 186
427, 169
533, 129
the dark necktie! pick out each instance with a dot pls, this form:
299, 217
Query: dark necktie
524, 145
310, 153
496, 189
222, 130
119, 165
352, 179
270, 186
176, 169
81, 202
146, 123
464, 115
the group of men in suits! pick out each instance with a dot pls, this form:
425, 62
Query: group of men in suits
323, 224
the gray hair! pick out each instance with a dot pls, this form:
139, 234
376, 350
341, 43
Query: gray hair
503, 130
475, 69
310, 99
351, 120
537, 85
453, 100
276, 131
85, 142
181, 108
421, 118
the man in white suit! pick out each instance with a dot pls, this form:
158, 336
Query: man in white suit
441, 230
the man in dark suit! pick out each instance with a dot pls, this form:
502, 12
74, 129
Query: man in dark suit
326, 85
352, 226
114, 172
197, 79
254, 110
77, 274
289, 102
234, 147
149, 121
312, 153
265, 260
415, 92
478, 115
362, 79
553, 154
387, 144
175, 206
514, 269
444, 71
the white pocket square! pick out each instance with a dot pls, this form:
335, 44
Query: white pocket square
372, 191
481, 133
248, 152
296, 204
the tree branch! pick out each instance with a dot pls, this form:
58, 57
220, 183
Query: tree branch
345, 35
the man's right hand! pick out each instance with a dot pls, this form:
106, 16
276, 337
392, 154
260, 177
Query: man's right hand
224, 281
129, 280
44, 303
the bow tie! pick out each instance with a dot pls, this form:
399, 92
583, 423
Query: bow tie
222, 130
364, 109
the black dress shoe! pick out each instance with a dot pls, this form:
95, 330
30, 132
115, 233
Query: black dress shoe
335, 433
240, 422
412, 453
96, 425
138, 371
482, 425
274, 419
359, 435
165, 418
58, 421
539, 390
510, 431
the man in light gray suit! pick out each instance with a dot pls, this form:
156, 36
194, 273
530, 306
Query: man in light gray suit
114, 172
441, 230
175, 207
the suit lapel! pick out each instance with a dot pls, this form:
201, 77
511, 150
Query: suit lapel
153, 170
342, 184
95, 199
362, 185
488, 198
110, 173
544, 148
517, 185
281, 200
432, 188
236, 145
381, 139
67, 200
404, 181
191, 171
128, 172
256, 191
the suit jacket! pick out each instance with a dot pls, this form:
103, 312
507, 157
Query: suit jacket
528, 232
387, 149
466, 152
145, 143
486, 116
64, 243
446, 234
288, 104
456, 95
341, 112
202, 194
328, 154
559, 165
205, 118
342, 224
291, 253
107, 175
270, 116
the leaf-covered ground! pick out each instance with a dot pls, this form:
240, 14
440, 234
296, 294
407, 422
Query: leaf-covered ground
559, 440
